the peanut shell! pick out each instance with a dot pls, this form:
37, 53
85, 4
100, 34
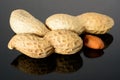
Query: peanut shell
64, 41
96, 23
31, 45
22, 21
64, 21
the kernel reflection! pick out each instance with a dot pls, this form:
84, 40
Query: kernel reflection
92, 53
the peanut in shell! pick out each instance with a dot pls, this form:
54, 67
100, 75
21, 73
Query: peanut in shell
65, 42
31, 45
64, 21
22, 21
96, 23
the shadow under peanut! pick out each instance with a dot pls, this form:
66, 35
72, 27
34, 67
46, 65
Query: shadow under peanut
68, 63
107, 39
34, 66
53, 63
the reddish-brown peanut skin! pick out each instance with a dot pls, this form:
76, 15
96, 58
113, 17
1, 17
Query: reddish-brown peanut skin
93, 42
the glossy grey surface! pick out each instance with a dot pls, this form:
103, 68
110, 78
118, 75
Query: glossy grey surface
104, 67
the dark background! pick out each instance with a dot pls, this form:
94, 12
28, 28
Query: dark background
105, 67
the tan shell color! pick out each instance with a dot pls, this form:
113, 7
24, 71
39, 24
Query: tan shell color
64, 41
31, 45
64, 21
96, 23
22, 21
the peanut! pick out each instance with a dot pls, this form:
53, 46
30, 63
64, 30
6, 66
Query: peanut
22, 21
31, 45
93, 42
64, 21
96, 23
64, 41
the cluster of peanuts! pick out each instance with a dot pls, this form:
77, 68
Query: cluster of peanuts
60, 33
